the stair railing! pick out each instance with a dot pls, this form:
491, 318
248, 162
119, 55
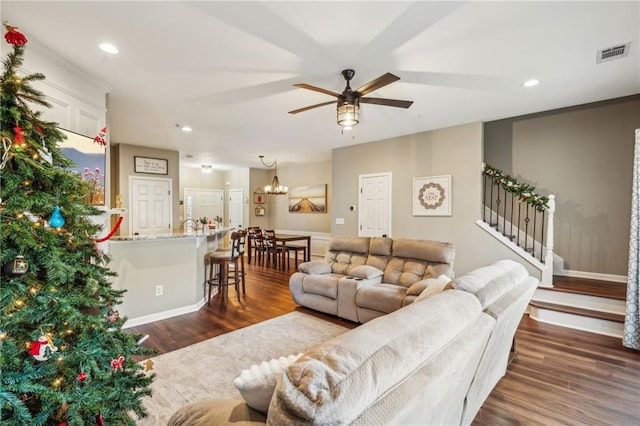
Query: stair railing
521, 215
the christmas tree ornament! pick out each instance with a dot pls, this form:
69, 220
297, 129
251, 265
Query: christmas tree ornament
117, 364
17, 266
13, 36
100, 138
82, 376
112, 315
19, 140
6, 149
99, 420
43, 348
56, 220
148, 365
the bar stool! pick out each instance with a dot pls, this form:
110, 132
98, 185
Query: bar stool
226, 267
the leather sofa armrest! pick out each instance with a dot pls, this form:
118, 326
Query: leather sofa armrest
315, 267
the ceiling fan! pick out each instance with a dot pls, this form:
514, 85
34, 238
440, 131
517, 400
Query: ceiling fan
348, 103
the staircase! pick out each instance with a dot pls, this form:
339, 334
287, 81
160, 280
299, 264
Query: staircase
583, 304
523, 221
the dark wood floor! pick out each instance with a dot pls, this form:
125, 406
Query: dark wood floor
560, 376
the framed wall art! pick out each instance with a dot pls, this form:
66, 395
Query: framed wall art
259, 197
432, 196
154, 166
308, 199
90, 159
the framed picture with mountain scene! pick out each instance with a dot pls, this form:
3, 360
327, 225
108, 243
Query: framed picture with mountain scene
308, 199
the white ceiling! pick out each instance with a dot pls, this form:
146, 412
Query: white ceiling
227, 68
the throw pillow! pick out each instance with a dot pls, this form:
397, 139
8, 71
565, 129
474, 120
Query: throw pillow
437, 285
257, 383
365, 272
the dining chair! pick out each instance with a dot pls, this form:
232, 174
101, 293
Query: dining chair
273, 248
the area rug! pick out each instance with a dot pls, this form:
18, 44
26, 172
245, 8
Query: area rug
207, 369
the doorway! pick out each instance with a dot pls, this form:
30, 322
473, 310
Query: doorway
150, 201
199, 203
235, 208
374, 219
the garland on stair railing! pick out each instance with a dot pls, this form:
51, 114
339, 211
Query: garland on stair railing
523, 191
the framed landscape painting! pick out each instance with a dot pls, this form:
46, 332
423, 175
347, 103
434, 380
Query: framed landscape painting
90, 159
308, 199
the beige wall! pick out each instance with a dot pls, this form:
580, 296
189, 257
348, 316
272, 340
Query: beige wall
456, 151
123, 167
277, 209
584, 155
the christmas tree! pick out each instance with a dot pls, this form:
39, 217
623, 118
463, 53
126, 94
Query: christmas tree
64, 359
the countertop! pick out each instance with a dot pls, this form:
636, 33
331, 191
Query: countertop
176, 235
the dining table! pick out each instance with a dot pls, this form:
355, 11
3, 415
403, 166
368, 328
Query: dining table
284, 239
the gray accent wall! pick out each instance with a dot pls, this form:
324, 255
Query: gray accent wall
583, 155
455, 151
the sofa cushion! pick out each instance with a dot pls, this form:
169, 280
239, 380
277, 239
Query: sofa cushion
380, 246
365, 272
256, 383
338, 380
323, 285
351, 244
432, 251
217, 412
343, 261
489, 283
381, 297
315, 267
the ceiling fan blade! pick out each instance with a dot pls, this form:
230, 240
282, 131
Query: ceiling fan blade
295, 111
317, 89
377, 83
386, 102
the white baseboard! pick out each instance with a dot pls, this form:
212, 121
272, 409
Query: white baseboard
134, 322
592, 276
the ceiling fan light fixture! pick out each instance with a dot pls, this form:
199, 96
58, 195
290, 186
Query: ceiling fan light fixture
348, 114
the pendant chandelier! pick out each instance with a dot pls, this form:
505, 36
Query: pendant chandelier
275, 188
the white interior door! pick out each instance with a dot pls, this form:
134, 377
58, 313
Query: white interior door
235, 208
207, 203
150, 206
374, 219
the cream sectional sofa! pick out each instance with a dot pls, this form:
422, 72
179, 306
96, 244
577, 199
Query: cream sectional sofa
432, 362
362, 278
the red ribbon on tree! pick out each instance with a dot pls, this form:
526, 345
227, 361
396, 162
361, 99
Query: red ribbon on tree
13, 36
117, 364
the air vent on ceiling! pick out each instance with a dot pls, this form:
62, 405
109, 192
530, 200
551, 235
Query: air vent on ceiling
611, 53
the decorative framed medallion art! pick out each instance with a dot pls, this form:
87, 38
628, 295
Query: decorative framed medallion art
432, 196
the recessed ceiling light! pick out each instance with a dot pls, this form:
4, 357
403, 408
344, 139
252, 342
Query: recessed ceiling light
531, 82
109, 48
186, 129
